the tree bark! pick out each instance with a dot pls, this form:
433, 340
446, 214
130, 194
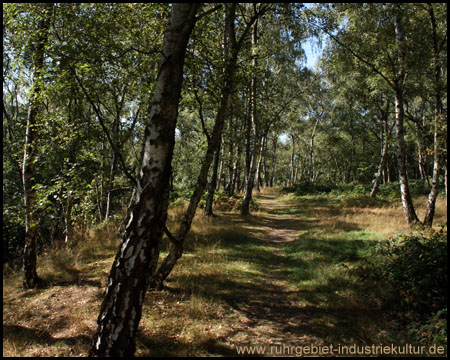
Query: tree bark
245, 210
30, 277
110, 186
438, 118
384, 150
127, 284
311, 151
213, 182
258, 166
408, 207
176, 246
291, 171
274, 158
68, 218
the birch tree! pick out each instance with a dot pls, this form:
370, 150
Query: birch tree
127, 283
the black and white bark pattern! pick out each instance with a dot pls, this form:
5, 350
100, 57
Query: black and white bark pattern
127, 284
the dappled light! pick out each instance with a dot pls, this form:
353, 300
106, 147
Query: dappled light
224, 179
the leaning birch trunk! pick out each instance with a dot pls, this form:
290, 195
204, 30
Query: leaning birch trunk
408, 207
176, 243
30, 277
127, 283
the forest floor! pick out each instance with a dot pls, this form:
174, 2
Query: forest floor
273, 283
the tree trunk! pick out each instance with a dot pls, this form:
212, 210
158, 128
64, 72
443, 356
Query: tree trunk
291, 170
127, 284
30, 277
176, 246
438, 118
236, 170
110, 187
248, 145
384, 151
212, 183
408, 207
264, 165
274, 158
258, 166
68, 218
445, 184
311, 152
245, 210
421, 149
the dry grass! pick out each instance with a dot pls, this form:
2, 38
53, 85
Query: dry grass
389, 219
239, 281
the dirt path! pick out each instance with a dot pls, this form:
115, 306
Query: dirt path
274, 315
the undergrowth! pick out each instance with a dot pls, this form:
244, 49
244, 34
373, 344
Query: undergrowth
408, 273
387, 192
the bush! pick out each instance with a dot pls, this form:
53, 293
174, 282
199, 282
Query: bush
417, 266
13, 237
308, 188
411, 272
388, 191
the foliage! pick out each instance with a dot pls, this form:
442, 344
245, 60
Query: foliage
309, 188
410, 272
223, 202
388, 191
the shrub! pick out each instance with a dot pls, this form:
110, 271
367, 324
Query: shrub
410, 271
417, 266
308, 188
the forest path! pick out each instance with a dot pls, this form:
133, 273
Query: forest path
276, 317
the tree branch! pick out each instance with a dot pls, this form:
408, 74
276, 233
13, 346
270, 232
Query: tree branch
172, 238
349, 49
105, 130
206, 13
200, 113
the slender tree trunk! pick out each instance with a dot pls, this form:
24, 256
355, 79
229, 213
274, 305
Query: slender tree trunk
248, 146
30, 277
212, 183
176, 246
258, 166
68, 218
311, 152
245, 210
127, 284
445, 184
274, 158
408, 207
438, 118
421, 150
236, 170
265, 167
110, 186
291, 170
384, 151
